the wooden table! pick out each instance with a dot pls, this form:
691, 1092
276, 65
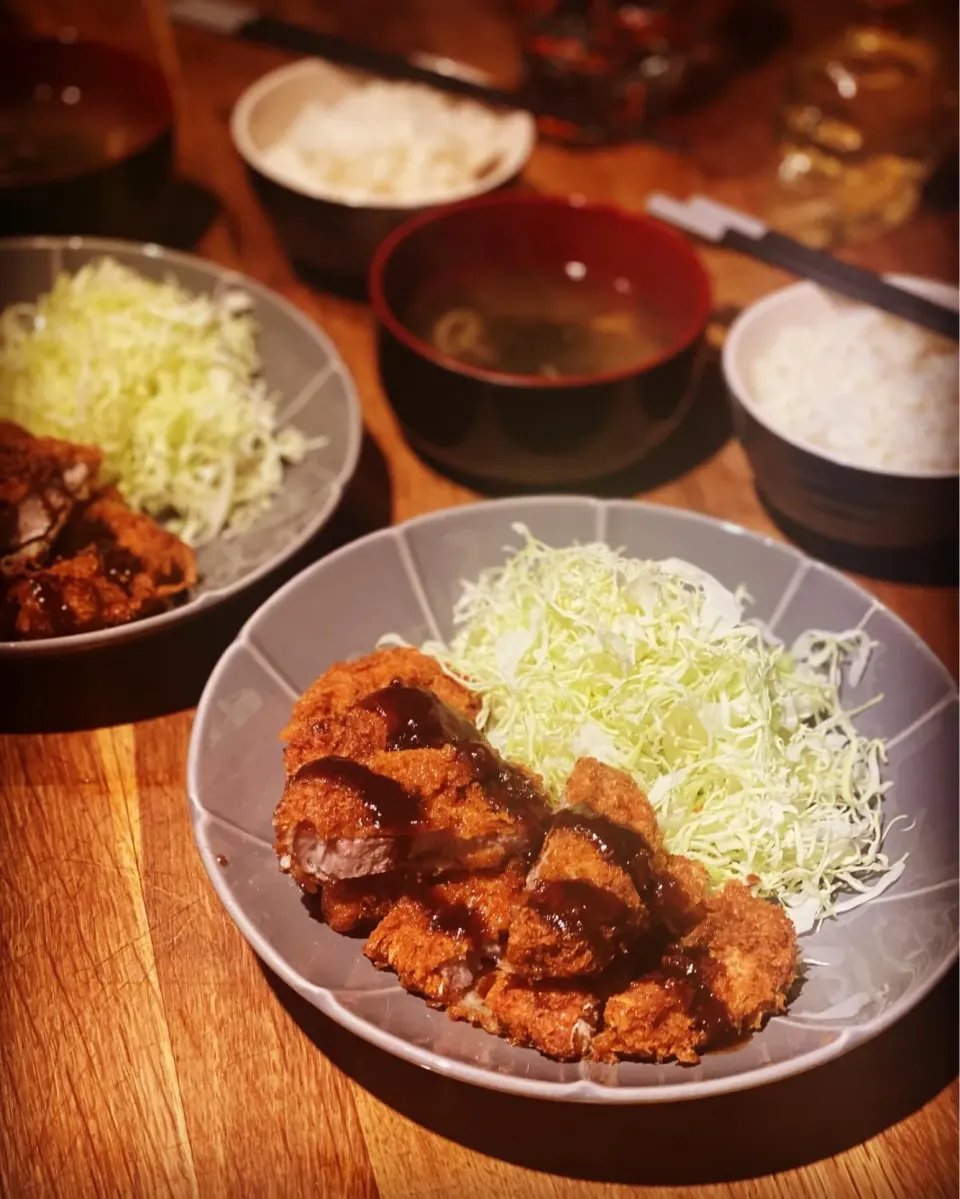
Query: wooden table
145, 1051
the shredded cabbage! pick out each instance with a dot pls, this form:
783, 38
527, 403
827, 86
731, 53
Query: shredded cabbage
165, 382
743, 747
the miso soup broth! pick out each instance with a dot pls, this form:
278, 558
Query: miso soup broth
539, 324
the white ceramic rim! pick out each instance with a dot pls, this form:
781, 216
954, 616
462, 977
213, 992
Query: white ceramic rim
581, 1091
190, 608
517, 152
933, 289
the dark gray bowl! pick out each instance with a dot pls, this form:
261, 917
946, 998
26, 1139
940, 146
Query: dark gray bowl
875, 963
299, 362
871, 509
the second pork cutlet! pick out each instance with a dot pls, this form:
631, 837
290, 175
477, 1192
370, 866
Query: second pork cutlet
557, 1018
42, 479
435, 938
431, 811
129, 543
327, 720
110, 566
721, 980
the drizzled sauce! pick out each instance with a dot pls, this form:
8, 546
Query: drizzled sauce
454, 919
617, 844
389, 806
576, 908
688, 973
119, 564
63, 617
418, 719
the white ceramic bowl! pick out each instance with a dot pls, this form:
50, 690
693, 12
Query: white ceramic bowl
821, 491
326, 228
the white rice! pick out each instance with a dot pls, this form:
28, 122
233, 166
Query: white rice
866, 387
399, 141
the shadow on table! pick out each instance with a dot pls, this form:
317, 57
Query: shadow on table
166, 671
743, 1135
189, 209
925, 566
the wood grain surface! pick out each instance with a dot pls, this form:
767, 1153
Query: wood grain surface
144, 1049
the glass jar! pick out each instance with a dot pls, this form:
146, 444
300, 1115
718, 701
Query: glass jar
861, 126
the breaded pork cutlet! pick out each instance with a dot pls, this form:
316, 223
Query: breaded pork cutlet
422, 810
582, 906
721, 980
41, 481
327, 720
130, 542
436, 799
592, 890
674, 888
355, 906
118, 566
557, 1018
437, 937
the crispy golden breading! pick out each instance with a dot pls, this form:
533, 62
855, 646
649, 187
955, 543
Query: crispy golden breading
648, 1020
325, 720
679, 896
558, 1019
406, 820
756, 945
437, 960
356, 905
580, 912
614, 794
71, 566
493, 897
719, 981
41, 481
434, 937
435, 818
678, 886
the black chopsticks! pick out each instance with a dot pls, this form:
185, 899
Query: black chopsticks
244, 22
739, 231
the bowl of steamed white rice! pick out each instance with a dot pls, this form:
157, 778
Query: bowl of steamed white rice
849, 417
341, 158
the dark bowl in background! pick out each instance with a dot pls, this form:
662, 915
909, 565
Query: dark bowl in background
848, 503
529, 430
86, 138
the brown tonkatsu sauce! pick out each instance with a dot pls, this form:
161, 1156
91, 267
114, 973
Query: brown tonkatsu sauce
454, 919
418, 719
51, 597
577, 908
119, 564
389, 806
619, 845
688, 973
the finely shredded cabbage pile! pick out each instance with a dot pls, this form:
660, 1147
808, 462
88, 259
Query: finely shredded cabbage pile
165, 382
743, 747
